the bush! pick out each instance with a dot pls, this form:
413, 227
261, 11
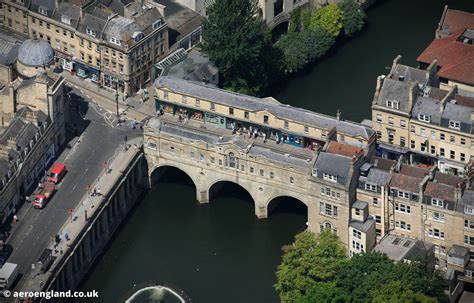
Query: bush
328, 18
353, 17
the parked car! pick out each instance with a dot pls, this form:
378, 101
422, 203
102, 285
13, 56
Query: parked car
5, 253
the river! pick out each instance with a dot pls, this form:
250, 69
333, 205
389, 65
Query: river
220, 252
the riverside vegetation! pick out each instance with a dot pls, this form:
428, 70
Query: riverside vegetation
248, 61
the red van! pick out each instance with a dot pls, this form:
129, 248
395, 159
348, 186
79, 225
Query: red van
57, 173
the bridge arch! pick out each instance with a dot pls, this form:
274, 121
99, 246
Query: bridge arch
215, 186
287, 203
159, 170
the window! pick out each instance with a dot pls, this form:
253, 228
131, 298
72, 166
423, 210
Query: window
356, 234
90, 32
220, 161
89, 59
42, 11
198, 103
265, 119
286, 124
462, 157
404, 195
402, 208
370, 187
392, 104
65, 33
213, 160
402, 141
262, 173
437, 202
469, 240
231, 111
403, 123
423, 146
157, 24
292, 180
463, 141
390, 120
469, 210
441, 136
412, 144
375, 201
115, 41
213, 106
441, 152
452, 154
438, 216
433, 149
48, 26
452, 139
251, 170
184, 99
246, 115
272, 175
172, 149
232, 160
423, 117
327, 209
378, 219
404, 226
469, 224
357, 212
242, 167
66, 20
412, 129
306, 129
454, 124
433, 134
191, 154
422, 132
357, 246
329, 177
165, 95
379, 118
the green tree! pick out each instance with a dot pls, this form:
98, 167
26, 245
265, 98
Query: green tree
306, 19
312, 259
234, 40
318, 42
397, 292
352, 17
328, 18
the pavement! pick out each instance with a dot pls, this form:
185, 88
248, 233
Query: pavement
133, 107
98, 142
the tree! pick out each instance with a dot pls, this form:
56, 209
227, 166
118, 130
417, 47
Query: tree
312, 259
295, 20
396, 291
328, 18
352, 17
301, 48
234, 40
306, 19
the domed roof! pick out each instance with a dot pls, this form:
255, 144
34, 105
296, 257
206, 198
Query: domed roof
35, 52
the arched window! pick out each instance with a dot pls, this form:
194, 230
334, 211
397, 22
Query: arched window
232, 160
328, 225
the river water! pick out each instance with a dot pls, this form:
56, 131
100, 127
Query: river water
220, 252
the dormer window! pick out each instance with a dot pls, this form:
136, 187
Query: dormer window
115, 41
370, 187
403, 195
392, 104
329, 177
425, 118
91, 32
454, 124
66, 20
42, 11
437, 202
156, 24
137, 36
469, 210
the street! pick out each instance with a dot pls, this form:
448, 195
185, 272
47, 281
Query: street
99, 138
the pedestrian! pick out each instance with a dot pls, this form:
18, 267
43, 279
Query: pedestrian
264, 137
94, 193
98, 192
15, 218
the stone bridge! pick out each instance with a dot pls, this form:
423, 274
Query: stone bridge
207, 165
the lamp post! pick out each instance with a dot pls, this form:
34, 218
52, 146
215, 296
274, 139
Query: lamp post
116, 99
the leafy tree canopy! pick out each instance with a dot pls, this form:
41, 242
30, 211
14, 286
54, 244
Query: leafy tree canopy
328, 18
234, 40
310, 260
353, 17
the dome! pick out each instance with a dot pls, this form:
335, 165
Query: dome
35, 52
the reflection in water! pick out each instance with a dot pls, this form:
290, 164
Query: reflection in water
155, 294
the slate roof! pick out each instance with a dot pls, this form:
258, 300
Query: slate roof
384, 164
457, 112
378, 177
458, 251
335, 165
405, 183
68, 10
92, 22
48, 5
427, 106
447, 179
194, 67
467, 198
360, 204
395, 90
413, 171
8, 51
362, 226
410, 74
253, 104
35, 52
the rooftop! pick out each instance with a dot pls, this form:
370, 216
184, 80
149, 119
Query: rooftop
454, 20
405, 183
400, 248
343, 149
8, 49
253, 104
196, 66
